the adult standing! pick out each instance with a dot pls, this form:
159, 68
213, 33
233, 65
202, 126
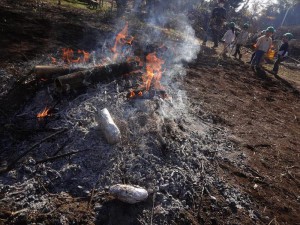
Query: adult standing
218, 17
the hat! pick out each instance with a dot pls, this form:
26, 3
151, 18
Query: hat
246, 25
270, 29
231, 24
289, 36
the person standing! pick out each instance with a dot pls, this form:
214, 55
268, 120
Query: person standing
228, 37
217, 20
241, 40
283, 52
262, 46
254, 40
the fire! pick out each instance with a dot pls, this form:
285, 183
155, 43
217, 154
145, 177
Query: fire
68, 56
86, 55
135, 94
153, 71
131, 94
53, 60
122, 39
43, 113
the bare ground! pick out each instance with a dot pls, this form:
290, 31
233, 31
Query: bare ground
261, 114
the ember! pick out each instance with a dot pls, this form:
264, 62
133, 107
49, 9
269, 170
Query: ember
68, 56
147, 94
44, 113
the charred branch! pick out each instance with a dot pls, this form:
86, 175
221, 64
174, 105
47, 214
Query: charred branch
14, 162
50, 72
53, 158
95, 75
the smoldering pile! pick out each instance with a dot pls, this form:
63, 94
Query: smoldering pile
164, 148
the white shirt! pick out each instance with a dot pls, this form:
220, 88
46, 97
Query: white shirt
264, 43
228, 37
242, 38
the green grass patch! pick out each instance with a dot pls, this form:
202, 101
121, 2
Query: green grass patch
81, 4
76, 4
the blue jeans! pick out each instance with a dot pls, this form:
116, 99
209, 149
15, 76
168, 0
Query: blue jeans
257, 58
277, 62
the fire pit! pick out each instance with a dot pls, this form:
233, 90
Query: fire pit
66, 166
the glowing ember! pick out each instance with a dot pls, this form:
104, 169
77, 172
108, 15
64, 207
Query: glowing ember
147, 94
53, 60
131, 94
43, 113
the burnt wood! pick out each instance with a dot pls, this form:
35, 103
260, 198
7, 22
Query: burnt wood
50, 72
106, 73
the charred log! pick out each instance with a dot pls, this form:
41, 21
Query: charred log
95, 75
50, 72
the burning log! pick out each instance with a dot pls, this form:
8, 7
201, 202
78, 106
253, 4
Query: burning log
97, 74
109, 128
52, 71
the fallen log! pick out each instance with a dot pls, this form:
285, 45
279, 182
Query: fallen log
50, 72
97, 74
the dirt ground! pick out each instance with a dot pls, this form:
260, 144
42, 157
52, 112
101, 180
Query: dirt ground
263, 116
261, 113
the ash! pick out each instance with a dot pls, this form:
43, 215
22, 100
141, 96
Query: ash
166, 148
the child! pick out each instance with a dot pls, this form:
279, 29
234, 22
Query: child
254, 40
229, 37
283, 51
241, 40
263, 45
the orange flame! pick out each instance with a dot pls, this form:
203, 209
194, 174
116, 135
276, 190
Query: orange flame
68, 56
43, 113
122, 38
86, 55
53, 60
153, 70
131, 94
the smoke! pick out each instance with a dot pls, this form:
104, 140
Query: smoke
182, 47
162, 27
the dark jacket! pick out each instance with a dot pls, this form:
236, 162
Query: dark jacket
218, 15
